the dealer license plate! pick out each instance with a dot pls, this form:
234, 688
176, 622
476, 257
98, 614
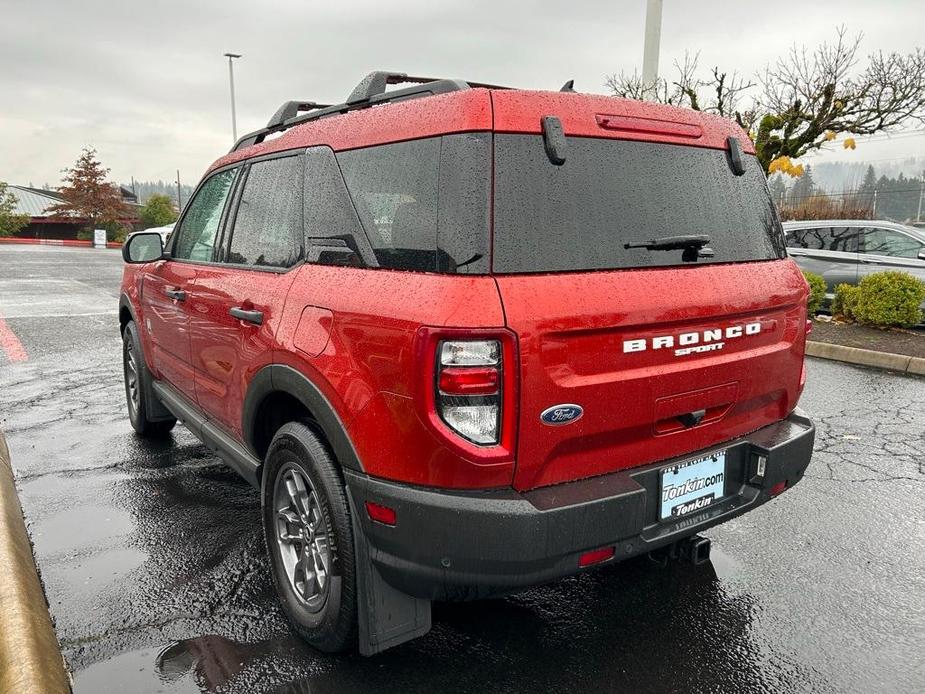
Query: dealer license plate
692, 486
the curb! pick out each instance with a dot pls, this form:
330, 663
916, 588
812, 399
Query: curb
30, 658
866, 357
78, 243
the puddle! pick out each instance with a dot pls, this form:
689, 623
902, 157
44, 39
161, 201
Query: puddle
87, 575
201, 664
82, 526
136, 672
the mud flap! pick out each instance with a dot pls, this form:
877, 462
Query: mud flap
387, 617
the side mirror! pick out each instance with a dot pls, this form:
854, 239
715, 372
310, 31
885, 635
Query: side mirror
143, 247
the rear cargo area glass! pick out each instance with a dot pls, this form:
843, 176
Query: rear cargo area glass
577, 216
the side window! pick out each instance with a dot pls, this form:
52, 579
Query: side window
196, 234
842, 239
394, 190
333, 231
812, 239
891, 243
268, 224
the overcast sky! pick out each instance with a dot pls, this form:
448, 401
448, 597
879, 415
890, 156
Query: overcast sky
145, 83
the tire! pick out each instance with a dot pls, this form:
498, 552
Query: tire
302, 481
137, 383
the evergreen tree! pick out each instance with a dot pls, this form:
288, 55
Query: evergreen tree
803, 188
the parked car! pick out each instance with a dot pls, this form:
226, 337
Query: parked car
164, 231
846, 250
467, 339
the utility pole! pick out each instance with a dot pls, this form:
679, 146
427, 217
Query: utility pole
234, 123
918, 215
651, 48
873, 212
179, 200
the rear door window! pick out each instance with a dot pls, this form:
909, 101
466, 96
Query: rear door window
268, 229
579, 215
891, 243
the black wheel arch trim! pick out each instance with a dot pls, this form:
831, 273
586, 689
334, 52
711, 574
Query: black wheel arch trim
276, 378
126, 303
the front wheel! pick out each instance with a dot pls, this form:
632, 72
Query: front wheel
136, 383
306, 521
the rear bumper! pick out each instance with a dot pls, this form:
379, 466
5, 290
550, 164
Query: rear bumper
450, 545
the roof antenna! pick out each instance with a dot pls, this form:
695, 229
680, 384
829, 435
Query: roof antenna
568, 86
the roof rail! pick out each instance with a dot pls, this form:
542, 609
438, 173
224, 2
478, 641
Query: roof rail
291, 109
369, 92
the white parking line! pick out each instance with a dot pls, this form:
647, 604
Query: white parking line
60, 315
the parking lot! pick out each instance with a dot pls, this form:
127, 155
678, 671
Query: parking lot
154, 566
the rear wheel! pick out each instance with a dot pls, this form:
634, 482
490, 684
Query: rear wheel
309, 538
136, 383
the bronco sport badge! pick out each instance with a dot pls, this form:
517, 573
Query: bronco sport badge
709, 340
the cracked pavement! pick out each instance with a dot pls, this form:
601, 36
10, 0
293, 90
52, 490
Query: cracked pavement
153, 561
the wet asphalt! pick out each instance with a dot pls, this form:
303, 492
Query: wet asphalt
154, 565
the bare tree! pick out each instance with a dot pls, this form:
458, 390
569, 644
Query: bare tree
805, 99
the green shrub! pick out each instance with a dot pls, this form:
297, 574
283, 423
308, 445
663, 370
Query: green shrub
889, 298
846, 296
816, 292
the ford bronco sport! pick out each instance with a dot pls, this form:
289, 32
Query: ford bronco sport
468, 339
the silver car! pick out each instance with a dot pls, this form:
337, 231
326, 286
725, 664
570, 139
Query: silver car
845, 250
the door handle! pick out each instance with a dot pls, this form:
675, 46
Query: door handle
255, 317
176, 294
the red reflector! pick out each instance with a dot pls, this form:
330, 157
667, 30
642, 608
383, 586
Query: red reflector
778, 488
463, 380
380, 513
595, 556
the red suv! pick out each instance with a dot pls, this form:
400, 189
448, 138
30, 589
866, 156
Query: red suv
467, 339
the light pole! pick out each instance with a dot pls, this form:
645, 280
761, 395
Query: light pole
234, 123
651, 46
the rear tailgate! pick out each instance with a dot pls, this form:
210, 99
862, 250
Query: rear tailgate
574, 330
668, 350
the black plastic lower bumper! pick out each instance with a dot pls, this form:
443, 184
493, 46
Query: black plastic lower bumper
450, 545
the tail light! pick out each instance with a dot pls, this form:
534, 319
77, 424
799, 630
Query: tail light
468, 395
466, 392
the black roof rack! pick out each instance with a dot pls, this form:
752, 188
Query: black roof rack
369, 92
291, 109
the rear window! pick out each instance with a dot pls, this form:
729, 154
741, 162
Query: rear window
577, 216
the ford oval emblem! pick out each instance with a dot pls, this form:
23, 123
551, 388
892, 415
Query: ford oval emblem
557, 415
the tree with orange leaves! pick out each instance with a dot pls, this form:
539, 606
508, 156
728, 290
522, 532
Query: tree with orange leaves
87, 195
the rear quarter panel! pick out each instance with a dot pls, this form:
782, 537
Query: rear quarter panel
353, 331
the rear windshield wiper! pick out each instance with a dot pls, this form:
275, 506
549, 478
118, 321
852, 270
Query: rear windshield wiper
671, 243
693, 245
